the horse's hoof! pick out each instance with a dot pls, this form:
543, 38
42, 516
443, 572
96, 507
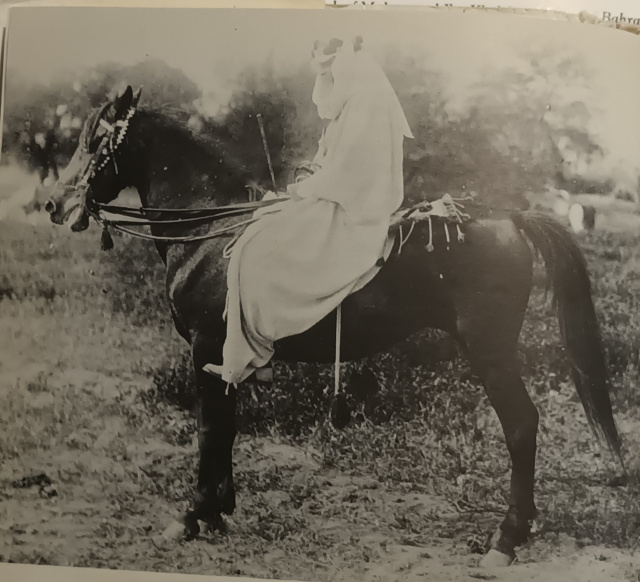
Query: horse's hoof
174, 532
191, 527
495, 559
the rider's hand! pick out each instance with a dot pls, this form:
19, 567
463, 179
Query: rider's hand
292, 191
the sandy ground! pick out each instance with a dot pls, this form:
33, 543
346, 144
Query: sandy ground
100, 515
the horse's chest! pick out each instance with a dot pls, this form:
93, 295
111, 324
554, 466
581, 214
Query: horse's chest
195, 280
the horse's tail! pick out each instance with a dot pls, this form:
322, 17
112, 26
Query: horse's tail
568, 279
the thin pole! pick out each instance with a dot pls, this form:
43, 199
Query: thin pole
266, 150
336, 374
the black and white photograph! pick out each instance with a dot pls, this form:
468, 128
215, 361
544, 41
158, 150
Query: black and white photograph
320, 295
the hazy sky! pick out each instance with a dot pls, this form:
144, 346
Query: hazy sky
45, 40
210, 45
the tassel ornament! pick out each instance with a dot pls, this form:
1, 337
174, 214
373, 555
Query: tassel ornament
106, 241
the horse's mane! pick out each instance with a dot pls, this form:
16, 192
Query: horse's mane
90, 126
171, 120
174, 121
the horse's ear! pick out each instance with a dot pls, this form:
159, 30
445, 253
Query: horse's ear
136, 97
123, 101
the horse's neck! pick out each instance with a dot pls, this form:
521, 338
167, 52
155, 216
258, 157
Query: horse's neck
175, 171
180, 172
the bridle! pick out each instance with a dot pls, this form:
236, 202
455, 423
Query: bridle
106, 153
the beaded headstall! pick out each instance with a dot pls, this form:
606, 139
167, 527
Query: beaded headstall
106, 150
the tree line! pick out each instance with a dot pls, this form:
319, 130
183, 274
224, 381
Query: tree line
518, 131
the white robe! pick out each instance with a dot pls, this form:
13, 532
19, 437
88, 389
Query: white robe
293, 267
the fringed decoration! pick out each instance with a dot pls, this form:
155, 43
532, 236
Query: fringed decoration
403, 239
225, 313
430, 245
106, 241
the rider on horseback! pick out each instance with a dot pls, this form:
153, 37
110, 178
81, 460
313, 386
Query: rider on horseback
293, 267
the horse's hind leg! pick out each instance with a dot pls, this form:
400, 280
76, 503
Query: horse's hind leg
519, 419
491, 347
217, 430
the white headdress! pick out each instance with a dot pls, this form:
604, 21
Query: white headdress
360, 157
346, 70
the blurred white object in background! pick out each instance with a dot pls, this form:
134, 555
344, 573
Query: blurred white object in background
581, 215
12, 206
576, 218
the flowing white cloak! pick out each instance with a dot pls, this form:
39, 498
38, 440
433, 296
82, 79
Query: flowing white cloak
293, 267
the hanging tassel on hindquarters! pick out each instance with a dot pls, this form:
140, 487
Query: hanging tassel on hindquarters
340, 414
106, 240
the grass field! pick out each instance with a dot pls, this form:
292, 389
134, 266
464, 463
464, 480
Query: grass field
99, 450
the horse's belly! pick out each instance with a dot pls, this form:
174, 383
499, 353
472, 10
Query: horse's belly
405, 297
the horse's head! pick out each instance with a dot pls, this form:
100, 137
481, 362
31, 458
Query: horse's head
96, 172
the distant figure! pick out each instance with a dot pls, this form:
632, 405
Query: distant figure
42, 148
589, 217
45, 155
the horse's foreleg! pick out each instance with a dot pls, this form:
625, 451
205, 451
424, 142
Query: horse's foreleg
215, 492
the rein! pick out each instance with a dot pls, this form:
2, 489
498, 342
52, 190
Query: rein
186, 216
106, 154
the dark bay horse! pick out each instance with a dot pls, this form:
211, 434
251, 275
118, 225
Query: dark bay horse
477, 291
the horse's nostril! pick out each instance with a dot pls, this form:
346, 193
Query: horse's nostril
50, 206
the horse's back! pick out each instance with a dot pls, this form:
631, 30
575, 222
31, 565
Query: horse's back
501, 233
492, 275
493, 253
415, 289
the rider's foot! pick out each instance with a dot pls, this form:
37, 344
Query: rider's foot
213, 369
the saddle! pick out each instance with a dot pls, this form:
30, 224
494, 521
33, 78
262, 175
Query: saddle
447, 210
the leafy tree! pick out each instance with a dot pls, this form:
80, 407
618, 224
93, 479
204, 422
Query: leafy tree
523, 127
535, 116
283, 101
69, 98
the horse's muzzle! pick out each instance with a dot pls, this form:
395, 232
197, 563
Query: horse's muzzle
66, 206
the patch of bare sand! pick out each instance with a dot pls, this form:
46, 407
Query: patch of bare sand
593, 564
